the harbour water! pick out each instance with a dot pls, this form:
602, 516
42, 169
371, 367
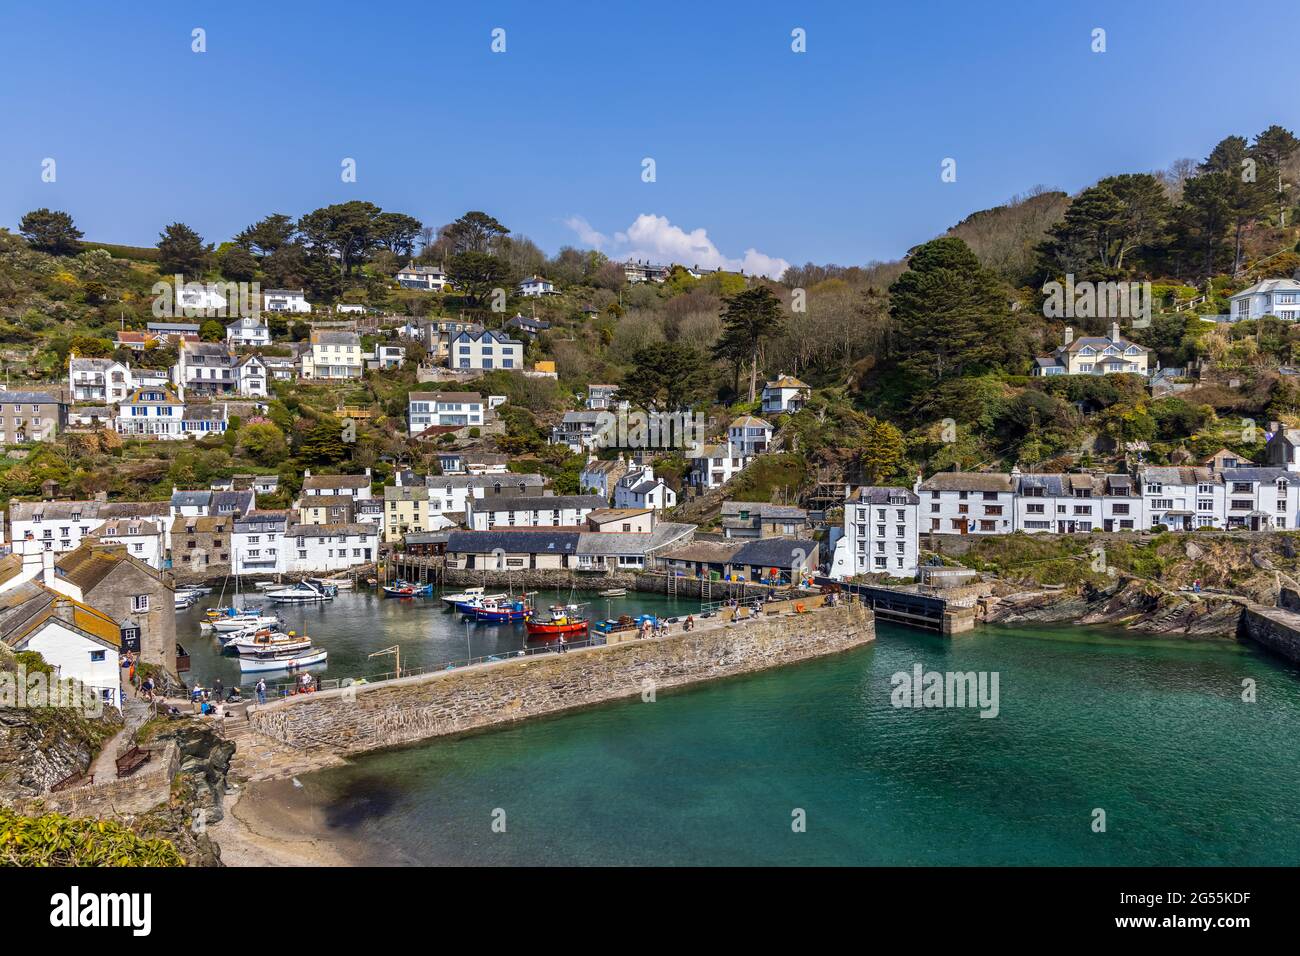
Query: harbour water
356, 624
1154, 733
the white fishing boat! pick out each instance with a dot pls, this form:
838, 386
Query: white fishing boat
195, 589
474, 596
266, 643
286, 661
242, 622
306, 591
185, 600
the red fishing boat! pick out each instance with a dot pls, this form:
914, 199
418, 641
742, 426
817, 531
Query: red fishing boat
563, 620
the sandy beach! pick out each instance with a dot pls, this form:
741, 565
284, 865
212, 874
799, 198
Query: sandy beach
276, 823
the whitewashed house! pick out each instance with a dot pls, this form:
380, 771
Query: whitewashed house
353, 486
1277, 297
750, 435
444, 410
954, 502
1182, 499
785, 396
543, 511
429, 278
143, 539
151, 413
449, 495
641, 488
248, 330
285, 300
580, 431
712, 466
98, 381
881, 534
537, 286
1074, 503
80, 642
257, 543
1260, 499
324, 548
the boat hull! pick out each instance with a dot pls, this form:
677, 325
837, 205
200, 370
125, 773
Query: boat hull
538, 630
292, 663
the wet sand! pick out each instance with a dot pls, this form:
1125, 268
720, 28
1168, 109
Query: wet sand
275, 823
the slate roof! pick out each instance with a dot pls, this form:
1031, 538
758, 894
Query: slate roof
530, 541
775, 552
881, 495
968, 481
542, 503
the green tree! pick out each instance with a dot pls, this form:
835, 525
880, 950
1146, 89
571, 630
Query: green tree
665, 376
1203, 219
347, 230
267, 235
238, 264
950, 316
50, 231
181, 250
1245, 196
1273, 148
477, 274
212, 331
264, 443
749, 319
397, 232
474, 232
881, 451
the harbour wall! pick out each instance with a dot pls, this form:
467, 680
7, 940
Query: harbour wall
371, 716
1275, 628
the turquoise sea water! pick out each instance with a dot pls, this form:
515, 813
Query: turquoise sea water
1155, 733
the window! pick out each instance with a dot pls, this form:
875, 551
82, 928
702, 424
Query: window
96, 657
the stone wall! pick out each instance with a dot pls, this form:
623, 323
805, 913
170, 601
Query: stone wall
370, 716
142, 791
1278, 630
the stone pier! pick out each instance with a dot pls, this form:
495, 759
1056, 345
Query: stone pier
365, 717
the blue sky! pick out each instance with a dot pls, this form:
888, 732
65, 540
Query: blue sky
832, 155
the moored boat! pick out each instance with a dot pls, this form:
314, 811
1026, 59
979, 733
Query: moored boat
267, 643
306, 591
242, 622
564, 619
283, 661
501, 611
405, 589
467, 596
614, 592
625, 622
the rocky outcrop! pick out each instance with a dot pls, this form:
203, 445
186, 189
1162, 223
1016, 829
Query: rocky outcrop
44, 746
1130, 603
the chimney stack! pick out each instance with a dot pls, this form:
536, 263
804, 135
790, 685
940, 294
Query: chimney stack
1114, 331
1069, 335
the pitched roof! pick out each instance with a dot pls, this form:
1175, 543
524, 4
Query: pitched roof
541, 503
776, 552
336, 481
530, 541
445, 397
881, 495
24, 610
750, 421
89, 564
968, 481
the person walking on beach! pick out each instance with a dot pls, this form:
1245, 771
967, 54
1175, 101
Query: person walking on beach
261, 691
217, 688
563, 648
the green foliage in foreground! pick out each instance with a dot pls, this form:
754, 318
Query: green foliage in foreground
56, 840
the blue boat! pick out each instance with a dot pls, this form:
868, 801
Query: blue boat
501, 612
624, 623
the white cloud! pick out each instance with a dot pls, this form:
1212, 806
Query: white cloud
585, 233
658, 240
